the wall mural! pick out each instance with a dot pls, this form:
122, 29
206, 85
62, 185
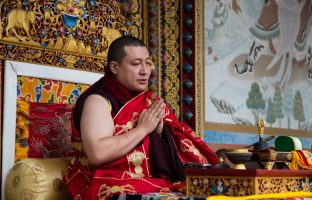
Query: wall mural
258, 65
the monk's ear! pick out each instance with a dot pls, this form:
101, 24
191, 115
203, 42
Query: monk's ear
114, 67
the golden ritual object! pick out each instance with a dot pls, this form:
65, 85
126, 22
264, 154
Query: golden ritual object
242, 155
260, 125
239, 157
261, 145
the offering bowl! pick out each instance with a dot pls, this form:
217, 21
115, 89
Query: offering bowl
239, 157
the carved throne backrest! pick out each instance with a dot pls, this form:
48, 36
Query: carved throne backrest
71, 33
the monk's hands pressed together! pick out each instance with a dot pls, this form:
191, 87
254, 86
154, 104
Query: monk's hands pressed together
152, 118
160, 126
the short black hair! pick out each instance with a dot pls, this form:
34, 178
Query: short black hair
116, 51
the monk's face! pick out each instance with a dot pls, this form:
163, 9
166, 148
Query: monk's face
135, 68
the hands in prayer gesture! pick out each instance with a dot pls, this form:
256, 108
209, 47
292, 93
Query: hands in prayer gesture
151, 119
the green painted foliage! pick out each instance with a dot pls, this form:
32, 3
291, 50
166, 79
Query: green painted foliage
298, 111
278, 103
255, 100
270, 115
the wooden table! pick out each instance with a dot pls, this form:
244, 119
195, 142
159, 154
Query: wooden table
231, 182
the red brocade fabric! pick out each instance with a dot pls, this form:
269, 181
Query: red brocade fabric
50, 131
132, 172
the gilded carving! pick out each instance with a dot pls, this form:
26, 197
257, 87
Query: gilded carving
171, 59
133, 10
70, 60
19, 19
74, 33
29, 55
71, 11
243, 186
109, 35
48, 56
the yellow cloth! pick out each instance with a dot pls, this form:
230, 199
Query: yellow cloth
37, 178
301, 160
263, 196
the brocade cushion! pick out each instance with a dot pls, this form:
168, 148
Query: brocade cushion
37, 178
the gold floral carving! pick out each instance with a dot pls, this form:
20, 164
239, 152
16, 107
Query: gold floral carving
243, 186
171, 72
110, 35
81, 43
47, 56
135, 15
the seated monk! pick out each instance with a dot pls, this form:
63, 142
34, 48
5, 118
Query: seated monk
132, 139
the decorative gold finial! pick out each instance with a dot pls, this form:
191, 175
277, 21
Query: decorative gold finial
261, 145
260, 125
